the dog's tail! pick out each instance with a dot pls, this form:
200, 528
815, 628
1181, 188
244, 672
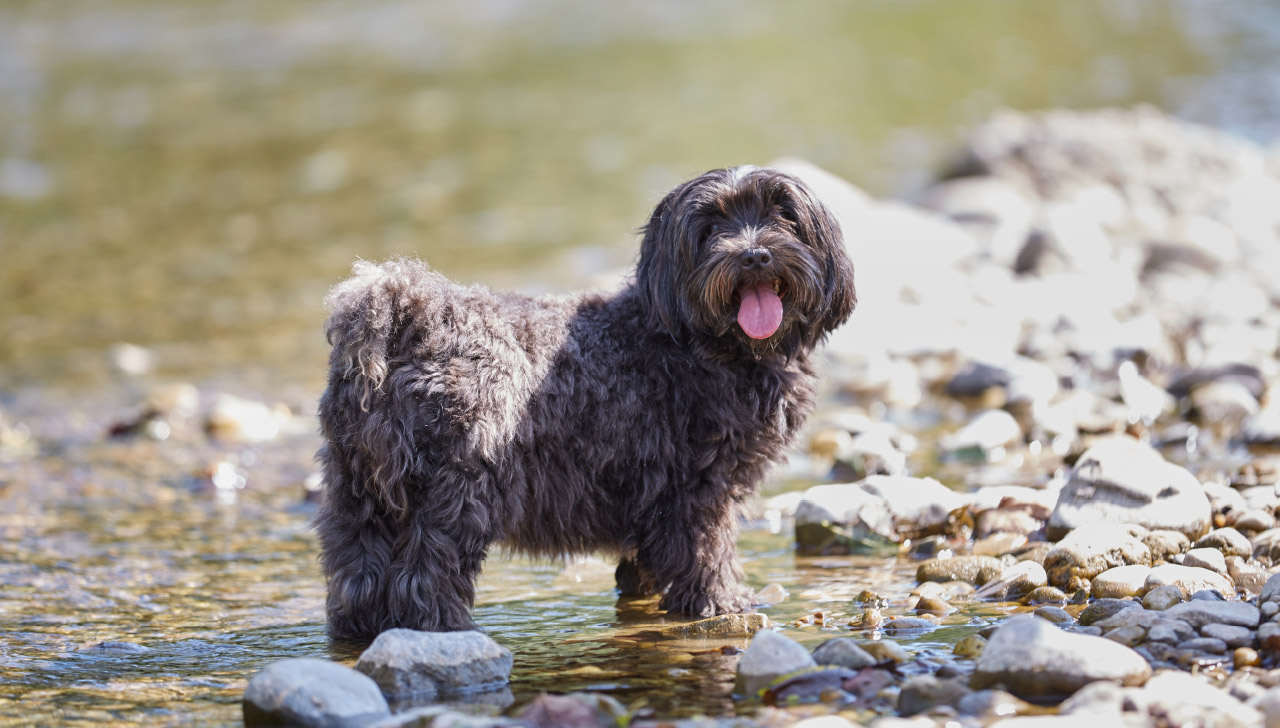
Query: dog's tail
361, 319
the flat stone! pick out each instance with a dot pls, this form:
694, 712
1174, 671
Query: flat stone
1190, 579
406, 662
1033, 658
1120, 480
1211, 645
1231, 634
925, 692
843, 652
1057, 615
725, 625
769, 656
1021, 578
1121, 581
872, 514
1200, 613
306, 691
1271, 589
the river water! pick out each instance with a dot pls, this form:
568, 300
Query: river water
190, 178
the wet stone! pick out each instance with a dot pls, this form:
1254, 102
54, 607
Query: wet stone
934, 605
884, 650
725, 625
970, 569
1090, 550
571, 711
1047, 595
991, 704
1206, 558
970, 647
843, 652
924, 692
408, 662
1057, 615
1014, 582
311, 692
769, 656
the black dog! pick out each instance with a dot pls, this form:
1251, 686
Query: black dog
632, 422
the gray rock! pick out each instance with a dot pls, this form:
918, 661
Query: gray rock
1165, 544
1269, 705
309, 692
1170, 632
1057, 615
1163, 597
1227, 540
575, 710
1198, 614
1090, 550
1211, 645
1266, 545
997, 213
769, 656
1190, 700
1206, 558
1271, 589
871, 514
991, 704
1102, 609
1231, 634
925, 692
976, 570
843, 652
1122, 581
1120, 480
1190, 579
986, 431
408, 662
1033, 658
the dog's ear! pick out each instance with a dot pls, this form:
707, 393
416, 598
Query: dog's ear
818, 229
659, 261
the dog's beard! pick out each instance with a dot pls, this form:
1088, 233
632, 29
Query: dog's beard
761, 309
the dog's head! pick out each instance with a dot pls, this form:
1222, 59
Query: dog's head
747, 257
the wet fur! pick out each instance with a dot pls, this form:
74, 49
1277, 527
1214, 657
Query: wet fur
632, 423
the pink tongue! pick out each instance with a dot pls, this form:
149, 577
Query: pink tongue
761, 311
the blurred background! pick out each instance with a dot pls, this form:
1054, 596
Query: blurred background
191, 177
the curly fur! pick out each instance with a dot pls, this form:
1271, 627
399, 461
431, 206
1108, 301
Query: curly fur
632, 422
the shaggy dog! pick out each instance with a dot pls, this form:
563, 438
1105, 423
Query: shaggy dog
632, 422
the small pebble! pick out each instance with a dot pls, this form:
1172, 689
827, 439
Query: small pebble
1245, 657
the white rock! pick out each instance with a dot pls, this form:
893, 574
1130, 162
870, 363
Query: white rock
769, 656
1034, 659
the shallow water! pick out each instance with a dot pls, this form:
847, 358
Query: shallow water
193, 177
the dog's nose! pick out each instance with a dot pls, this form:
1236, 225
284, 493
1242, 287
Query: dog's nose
756, 258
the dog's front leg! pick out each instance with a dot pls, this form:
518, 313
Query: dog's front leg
692, 548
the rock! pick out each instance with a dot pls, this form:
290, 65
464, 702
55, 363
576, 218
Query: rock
1200, 613
407, 662
1223, 406
843, 652
1122, 581
1047, 595
871, 514
1269, 705
997, 213
998, 544
1206, 558
1190, 700
976, 570
575, 710
991, 704
1057, 615
925, 692
1231, 634
1227, 540
725, 625
234, 419
1017, 580
1120, 480
1034, 659
883, 650
1266, 545
769, 656
1128, 636
310, 692
1165, 544
1245, 657
985, 432
1254, 520
908, 625
1270, 590
1090, 550
1163, 597
970, 647
1262, 430
1102, 609
934, 605
1190, 579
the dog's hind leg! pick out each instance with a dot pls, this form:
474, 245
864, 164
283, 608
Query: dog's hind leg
437, 559
355, 554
